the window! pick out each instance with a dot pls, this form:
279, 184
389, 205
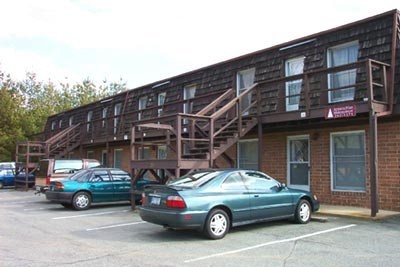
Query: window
234, 182
293, 66
104, 116
71, 121
337, 81
348, 161
100, 176
60, 124
160, 102
144, 153
90, 154
142, 105
104, 158
245, 79
119, 175
89, 120
248, 154
117, 158
258, 182
117, 112
53, 125
188, 93
162, 152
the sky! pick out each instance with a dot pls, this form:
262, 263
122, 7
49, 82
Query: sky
140, 42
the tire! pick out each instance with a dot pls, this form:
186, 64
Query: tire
81, 201
217, 224
303, 212
1, 185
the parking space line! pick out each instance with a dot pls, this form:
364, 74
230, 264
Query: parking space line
33, 209
270, 243
113, 226
89, 214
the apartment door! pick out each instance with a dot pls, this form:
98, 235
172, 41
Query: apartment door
298, 162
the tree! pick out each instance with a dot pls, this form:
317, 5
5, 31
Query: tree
25, 105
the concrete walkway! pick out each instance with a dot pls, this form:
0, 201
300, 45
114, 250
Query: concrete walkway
355, 212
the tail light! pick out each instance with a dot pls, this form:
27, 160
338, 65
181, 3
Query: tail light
47, 179
144, 199
59, 186
176, 202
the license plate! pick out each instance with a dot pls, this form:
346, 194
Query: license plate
155, 201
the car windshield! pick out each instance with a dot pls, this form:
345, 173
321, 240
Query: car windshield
81, 176
196, 179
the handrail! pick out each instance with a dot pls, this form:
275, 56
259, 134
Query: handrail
214, 103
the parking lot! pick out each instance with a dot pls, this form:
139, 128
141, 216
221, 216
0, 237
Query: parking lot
35, 232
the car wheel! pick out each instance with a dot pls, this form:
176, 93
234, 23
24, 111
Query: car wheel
1, 185
81, 201
303, 212
217, 224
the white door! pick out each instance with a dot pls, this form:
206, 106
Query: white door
298, 162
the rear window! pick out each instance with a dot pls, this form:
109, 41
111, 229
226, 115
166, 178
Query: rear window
67, 166
196, 179
81, 176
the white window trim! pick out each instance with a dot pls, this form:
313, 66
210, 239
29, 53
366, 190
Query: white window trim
329, 65
331, 161
292, 107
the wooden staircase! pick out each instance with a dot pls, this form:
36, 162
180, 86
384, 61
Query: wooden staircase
29, 153
197, 140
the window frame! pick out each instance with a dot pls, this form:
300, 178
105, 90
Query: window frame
334, 187
331, 98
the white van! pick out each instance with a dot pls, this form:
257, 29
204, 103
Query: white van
57, 169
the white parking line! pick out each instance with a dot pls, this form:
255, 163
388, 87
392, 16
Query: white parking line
88, 214
270, 243
113, 226
33, 209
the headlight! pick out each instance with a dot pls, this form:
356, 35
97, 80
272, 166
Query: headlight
315, 197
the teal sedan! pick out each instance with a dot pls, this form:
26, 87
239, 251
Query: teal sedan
213, 201
89, 186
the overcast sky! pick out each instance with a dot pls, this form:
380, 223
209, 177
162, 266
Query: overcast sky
149, 40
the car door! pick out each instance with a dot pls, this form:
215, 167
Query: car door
7, 176
235, 195
121, 185
101, 186
267, 198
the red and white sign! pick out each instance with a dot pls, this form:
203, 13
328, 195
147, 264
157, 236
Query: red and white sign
340, 112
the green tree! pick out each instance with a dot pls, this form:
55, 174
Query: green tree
25, 105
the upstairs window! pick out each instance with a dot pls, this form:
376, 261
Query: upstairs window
142, 105
160, 102
189, 92
71, 121
89, 121
293, 66
117, 112
245, 79
338, 81
104, 116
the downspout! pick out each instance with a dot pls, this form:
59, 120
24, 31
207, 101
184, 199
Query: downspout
373, 117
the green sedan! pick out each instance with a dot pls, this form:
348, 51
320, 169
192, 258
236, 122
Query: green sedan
89, 186
213, 201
